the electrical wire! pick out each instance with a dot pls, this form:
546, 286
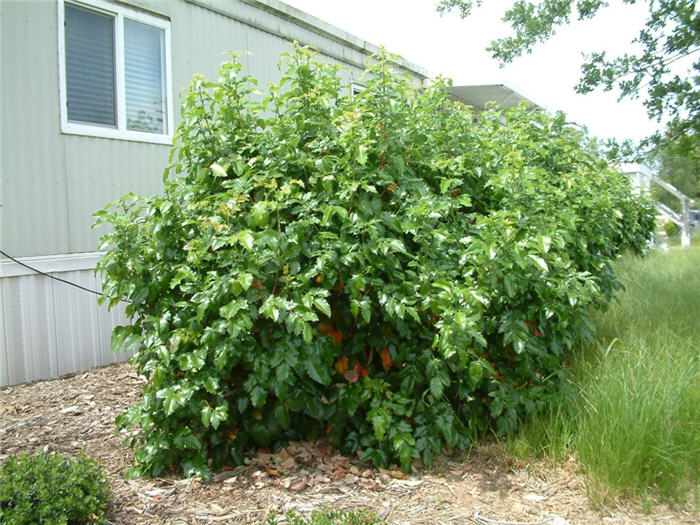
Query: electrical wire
49, 275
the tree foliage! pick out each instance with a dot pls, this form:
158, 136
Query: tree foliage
670, 34
386, 270
682, 171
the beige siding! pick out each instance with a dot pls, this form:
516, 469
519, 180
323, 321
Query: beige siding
100, 171
33, 191
52, 183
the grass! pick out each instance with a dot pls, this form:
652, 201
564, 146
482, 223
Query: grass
675, 240
633, 414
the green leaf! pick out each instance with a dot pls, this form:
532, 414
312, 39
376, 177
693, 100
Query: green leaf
358, 282
260, 214
187, 441
380, 421
508, 284
211, 384
308, 333
362, 155
218, 171
219, 414
465, 201
258, 396
323, 305
119, 334
170, 402
446, 426
206, 415
436, 387
476, 372
366, 311
539, 261
317, 371
445, 184
245, 280
282, 416
245, 238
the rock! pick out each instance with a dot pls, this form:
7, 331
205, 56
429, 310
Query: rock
298, 486
533, 497
288, 464
558, 520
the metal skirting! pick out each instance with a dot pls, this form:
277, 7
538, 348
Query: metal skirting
49, 328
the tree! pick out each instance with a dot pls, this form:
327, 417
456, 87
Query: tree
683, 171
670, 34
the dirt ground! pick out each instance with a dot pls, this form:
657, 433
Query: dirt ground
77, 412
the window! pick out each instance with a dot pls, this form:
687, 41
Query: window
356, 88
114, 72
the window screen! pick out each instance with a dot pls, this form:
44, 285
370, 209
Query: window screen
89, 43
144, 77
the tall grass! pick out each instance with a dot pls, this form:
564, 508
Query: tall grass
633, 417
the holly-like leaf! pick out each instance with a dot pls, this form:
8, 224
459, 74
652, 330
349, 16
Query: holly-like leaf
218, 170
317, 371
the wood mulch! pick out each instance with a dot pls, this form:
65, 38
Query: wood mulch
77, 413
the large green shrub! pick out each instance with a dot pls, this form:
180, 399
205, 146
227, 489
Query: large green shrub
49, 488
387, 270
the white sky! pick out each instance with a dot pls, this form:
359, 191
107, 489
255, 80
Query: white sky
455, 48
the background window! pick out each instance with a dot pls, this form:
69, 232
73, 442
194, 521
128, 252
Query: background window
90, 67
114, 72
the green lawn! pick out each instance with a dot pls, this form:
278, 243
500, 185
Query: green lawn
633, 414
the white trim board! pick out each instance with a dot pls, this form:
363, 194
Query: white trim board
68, 262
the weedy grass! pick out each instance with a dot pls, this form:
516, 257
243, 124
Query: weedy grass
327, 517
675, 240
632, 415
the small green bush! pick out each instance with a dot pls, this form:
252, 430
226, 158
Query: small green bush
328, 517
49, 488
670, 228
387, 270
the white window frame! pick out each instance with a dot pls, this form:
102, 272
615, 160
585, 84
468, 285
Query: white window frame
121, 132
356, 88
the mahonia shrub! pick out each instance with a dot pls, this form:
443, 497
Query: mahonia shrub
387, 270
50, 488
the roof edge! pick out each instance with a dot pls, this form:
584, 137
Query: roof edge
312, 23
510, 90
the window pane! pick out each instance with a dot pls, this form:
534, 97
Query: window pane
90, 66
145, 86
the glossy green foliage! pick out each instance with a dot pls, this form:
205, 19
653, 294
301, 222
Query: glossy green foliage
387, 270
49, 488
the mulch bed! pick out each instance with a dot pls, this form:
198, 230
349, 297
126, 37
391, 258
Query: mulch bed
77, 413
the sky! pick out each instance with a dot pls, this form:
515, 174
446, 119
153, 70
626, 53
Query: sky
450, 46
